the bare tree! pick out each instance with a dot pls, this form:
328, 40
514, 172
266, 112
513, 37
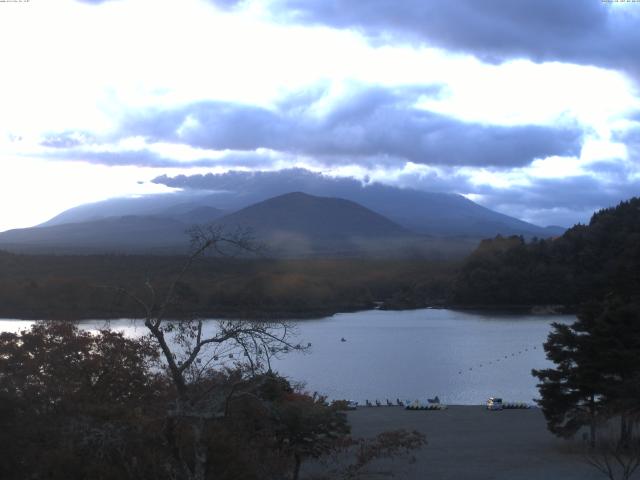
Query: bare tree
352, 458
193, 349
615, 459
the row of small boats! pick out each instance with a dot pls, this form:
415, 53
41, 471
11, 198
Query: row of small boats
430, 404
514, 405
388, 403
425, 406
433, 404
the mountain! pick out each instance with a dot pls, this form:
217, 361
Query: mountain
441, 214
294, 224
427, 213
120, 207
194, 215
301, 224
313, 216
130, 234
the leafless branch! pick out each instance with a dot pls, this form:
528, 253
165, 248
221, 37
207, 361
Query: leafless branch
613, 459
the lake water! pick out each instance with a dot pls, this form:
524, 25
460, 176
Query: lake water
462, 357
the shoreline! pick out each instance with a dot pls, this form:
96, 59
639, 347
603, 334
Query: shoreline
269, 316
314, 314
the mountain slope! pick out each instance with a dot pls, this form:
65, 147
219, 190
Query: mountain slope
297, 224
429, 213
149, 205
294, 224
196, 215
130, 233
440, 213
432, 213
315, 217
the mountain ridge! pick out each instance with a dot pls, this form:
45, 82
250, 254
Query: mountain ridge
294, 224
388, 221
428, 213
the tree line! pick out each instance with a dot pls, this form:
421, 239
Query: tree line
73, 287
594, 270
586, 262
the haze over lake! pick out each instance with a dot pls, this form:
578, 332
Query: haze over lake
413, 354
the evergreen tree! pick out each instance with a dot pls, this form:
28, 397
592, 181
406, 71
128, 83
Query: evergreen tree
570, 393
616, 329
597, 369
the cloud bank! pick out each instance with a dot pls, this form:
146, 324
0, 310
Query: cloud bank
585, 32
370, 127
372, 123
528, 107
558, 201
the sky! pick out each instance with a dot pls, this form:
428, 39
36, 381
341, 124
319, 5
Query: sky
528, 107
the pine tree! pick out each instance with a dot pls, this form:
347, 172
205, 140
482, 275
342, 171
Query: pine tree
616, 329
597, 371
571, 392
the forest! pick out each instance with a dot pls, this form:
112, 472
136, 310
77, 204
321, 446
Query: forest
76, 287
593, 385
586, 262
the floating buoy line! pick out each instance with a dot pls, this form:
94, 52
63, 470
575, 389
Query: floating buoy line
501, 358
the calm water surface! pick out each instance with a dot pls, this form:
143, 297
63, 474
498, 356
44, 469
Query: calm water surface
459, 356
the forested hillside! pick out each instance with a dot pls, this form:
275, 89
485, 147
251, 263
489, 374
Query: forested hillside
78, 286
587, 262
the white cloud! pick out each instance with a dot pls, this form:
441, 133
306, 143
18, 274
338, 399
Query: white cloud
33, 190
70, 66
523, 92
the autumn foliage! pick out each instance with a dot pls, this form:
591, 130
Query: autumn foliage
101, 406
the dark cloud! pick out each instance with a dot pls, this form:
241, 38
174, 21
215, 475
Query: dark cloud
584, 32
558, 201
631, 138
582, 191
611, 170
578, 192
562, 201
266, 184
374, 124
420, 211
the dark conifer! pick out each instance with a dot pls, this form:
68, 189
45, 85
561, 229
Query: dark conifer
597, 371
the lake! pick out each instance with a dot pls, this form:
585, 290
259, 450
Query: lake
463, 357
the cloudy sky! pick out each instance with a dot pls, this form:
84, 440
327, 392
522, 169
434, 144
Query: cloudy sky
529, 107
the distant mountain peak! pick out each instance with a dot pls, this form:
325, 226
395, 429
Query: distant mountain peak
207, 198
311, 215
